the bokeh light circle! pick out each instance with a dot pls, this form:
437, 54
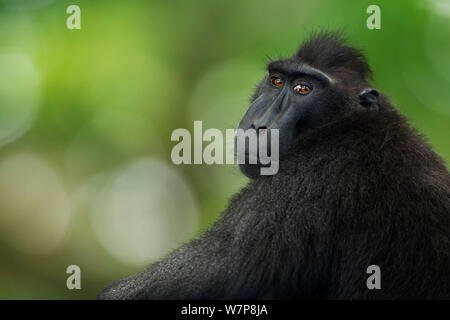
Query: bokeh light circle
144, 211
19, 95
220, 99
107, 137
35, 208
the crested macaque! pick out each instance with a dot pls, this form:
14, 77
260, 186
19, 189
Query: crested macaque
357, 186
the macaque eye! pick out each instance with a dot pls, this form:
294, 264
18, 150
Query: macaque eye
302, 89
277, 82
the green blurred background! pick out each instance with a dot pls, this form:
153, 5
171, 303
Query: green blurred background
86, 117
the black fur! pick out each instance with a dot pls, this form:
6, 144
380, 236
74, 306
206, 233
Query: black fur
330, 53
363, 188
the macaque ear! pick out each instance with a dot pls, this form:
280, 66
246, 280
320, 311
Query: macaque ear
368, 98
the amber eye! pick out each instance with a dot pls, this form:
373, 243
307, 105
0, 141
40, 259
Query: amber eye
302, 89
277, 82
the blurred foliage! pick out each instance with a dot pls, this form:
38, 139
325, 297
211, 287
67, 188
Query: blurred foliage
78, 108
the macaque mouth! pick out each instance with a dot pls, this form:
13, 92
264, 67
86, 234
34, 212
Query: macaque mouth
258, 147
